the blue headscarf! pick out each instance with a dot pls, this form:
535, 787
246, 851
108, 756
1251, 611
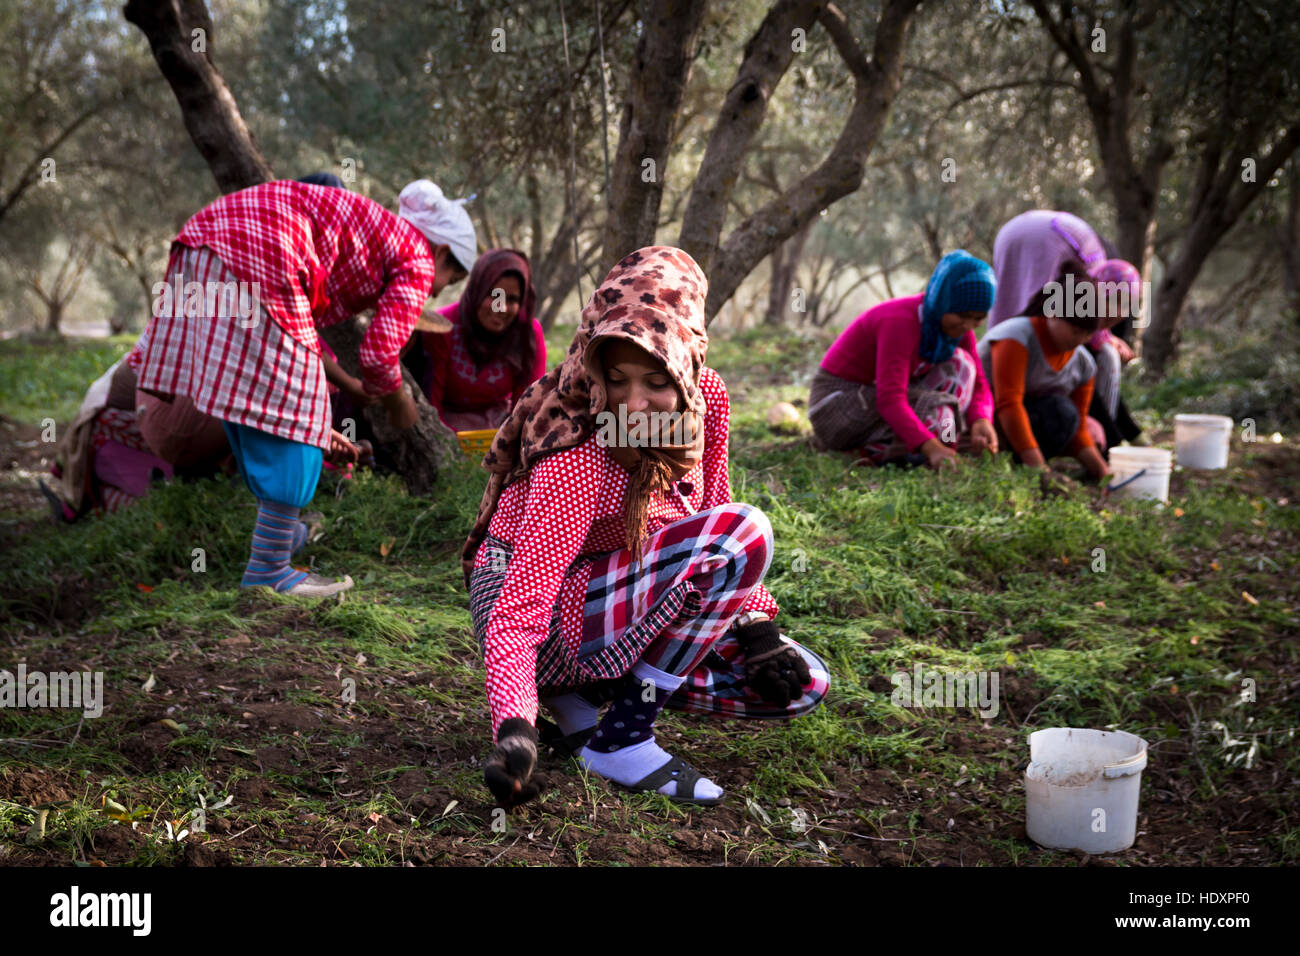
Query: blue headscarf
959, 283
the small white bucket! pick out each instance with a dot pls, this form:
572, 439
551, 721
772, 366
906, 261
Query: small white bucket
1143, 472
1081, 788
1201, 441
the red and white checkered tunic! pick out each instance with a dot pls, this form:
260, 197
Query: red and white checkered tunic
248, 371
320, 255
569, 504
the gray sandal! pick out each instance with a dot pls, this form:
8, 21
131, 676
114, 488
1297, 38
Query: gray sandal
678, 771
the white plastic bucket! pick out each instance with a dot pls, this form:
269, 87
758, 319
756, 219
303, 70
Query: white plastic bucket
1081, 788
1201, 441
1148, 467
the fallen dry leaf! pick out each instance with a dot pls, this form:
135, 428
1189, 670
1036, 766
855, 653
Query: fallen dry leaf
1249, 598
386, 546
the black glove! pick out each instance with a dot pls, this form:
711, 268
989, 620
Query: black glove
508, 771
773, 669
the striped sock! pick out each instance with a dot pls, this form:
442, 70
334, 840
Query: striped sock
273, 539
299, 537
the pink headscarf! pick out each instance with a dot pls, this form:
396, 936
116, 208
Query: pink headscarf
654, 299
1118, 271
1029, 252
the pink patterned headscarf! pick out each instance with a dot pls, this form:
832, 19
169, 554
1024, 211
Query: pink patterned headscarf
1118, 272
654, 299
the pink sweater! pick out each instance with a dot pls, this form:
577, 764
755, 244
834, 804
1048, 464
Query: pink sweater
882, 347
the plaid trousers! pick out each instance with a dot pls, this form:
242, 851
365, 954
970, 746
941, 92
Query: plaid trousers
672, 609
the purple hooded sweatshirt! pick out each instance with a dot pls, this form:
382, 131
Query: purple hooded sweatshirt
1029, 252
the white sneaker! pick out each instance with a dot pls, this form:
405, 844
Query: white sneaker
316, 586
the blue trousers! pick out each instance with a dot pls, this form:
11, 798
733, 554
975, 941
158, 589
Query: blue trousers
274, 468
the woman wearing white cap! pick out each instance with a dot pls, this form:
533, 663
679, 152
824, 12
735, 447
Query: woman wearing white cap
302, 257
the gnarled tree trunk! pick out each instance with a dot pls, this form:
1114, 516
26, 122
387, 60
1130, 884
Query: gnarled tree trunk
875, 84
1216, 209
767, 58
656, 81
1110, 97
1289, 241
785, 260
207, 107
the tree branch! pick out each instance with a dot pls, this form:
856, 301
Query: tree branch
876, 83
767, 57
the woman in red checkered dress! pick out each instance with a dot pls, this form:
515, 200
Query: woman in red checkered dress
251, 278
608, 561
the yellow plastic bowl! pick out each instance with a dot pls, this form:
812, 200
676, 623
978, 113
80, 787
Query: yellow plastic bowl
475, 444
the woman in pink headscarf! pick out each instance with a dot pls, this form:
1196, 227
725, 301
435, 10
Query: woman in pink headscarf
1119, 286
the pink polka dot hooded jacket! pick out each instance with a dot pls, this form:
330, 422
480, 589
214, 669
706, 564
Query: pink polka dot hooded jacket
556, 493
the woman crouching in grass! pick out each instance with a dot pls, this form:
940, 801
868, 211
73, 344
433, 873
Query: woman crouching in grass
902, 381
610, 565
1043, 376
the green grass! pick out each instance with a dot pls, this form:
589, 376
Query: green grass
1253, 376
40, 380
875, 570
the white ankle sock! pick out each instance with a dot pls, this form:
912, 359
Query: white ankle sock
665, 683
572, 712
630, 764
